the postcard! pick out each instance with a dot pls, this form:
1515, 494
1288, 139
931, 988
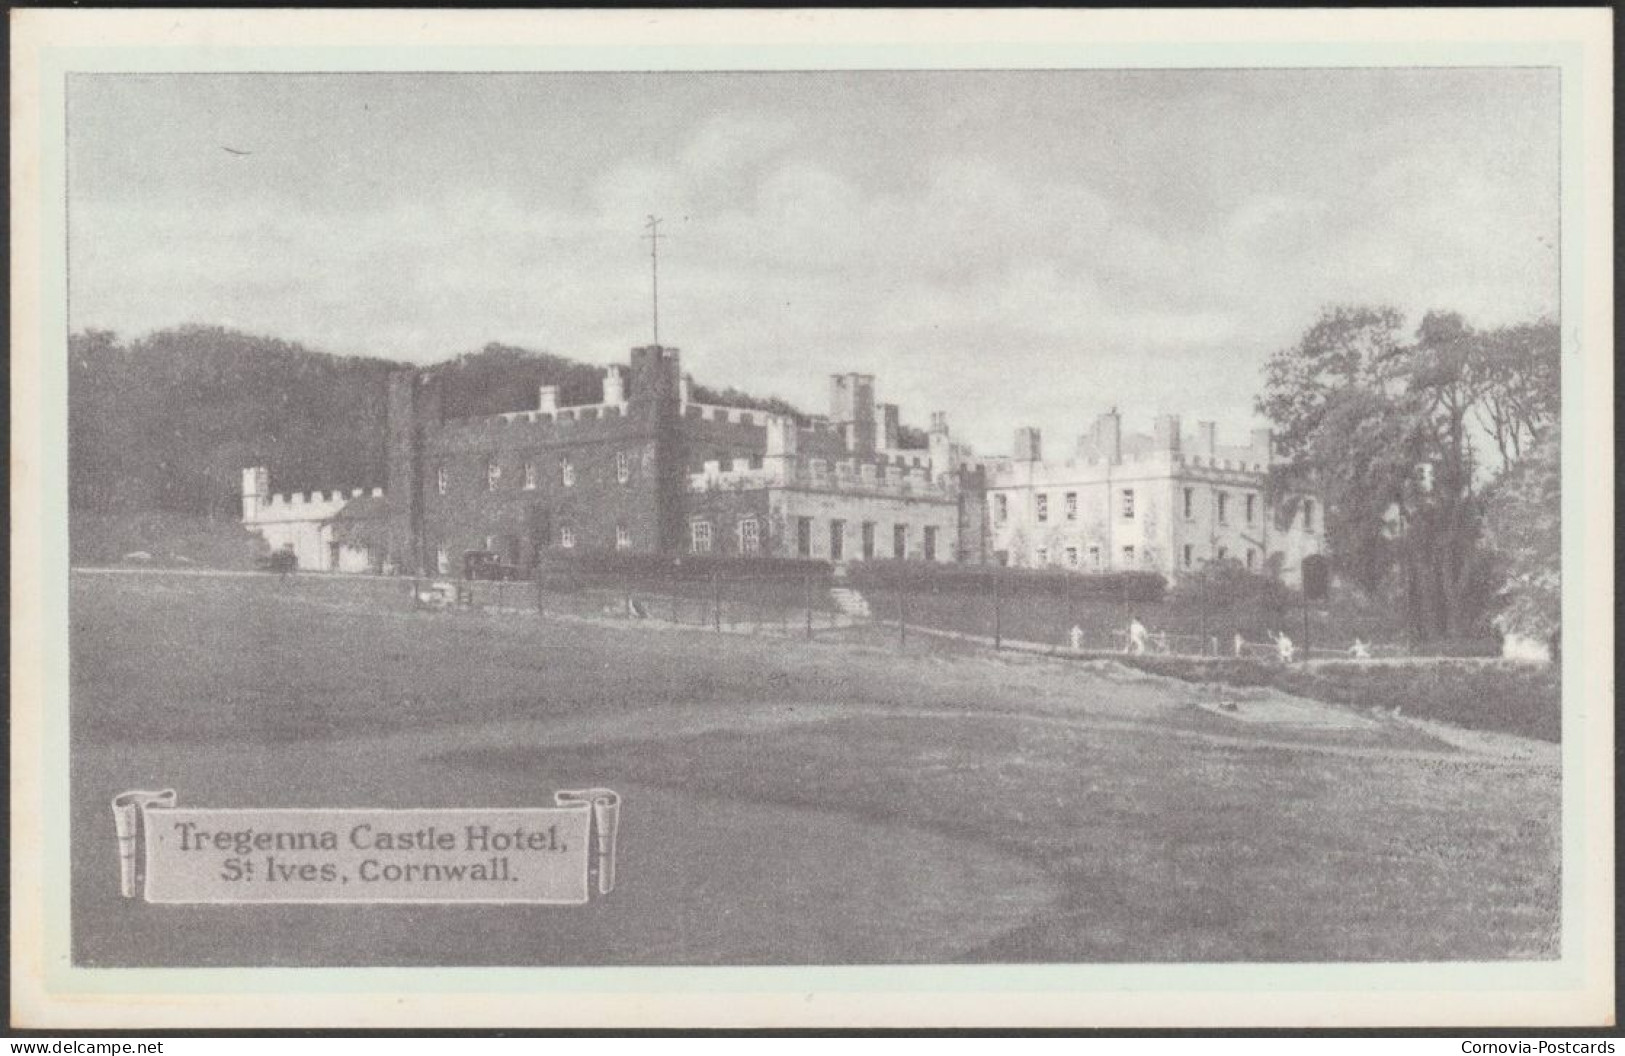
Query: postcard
823, 519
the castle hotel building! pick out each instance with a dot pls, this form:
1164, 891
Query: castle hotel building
647, 469
1163, 502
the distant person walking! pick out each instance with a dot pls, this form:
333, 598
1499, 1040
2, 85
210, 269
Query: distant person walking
1136, 636
1284, 647
1359, 650
1240, 644
1077, 638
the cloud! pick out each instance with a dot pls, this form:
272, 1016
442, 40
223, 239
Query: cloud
1002, 273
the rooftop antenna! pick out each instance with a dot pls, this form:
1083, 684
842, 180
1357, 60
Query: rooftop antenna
654, 236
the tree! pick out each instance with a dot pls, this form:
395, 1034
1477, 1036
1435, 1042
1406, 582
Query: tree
1342, 434
1381, 428
1516, 375
1524, 530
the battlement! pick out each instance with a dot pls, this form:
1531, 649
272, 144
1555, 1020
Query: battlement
848, 476
560, 418
708, 412
318, 498
1106, 442
260, 505
1235, 465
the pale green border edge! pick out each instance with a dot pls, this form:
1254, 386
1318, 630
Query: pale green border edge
64, 980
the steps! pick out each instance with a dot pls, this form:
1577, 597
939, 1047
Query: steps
850, 602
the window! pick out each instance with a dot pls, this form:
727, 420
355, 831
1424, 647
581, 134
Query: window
755, 461
1043, 555
567, 538
623, 537
1188, 555
440, 478
1041, 507
1071, 557
750, 536
623, 467
1128, 504
1001, 509
1190, 504
868, 540
930, 542
1251, 503
442, 558
899, 540
493, 474
804, 536
1308, 515
1094, 558
1128, 557
1224, 507
1251, 557
699, 537
567, 473
1071, 505
530, 476
837, 540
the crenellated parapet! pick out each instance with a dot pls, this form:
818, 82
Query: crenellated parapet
844, 476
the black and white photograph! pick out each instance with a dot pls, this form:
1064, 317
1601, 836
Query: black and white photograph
823, 518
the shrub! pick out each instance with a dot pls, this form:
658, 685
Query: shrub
684, 566
1012, 582
1506, 697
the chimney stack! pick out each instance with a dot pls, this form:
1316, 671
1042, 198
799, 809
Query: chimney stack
1207, 440
1028, 445
547, 398
1263, 449
1109, 436
1167, 433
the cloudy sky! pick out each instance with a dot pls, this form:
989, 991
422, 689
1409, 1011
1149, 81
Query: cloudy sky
1014, 248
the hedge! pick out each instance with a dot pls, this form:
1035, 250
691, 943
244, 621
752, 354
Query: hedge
1012, 582
679, 566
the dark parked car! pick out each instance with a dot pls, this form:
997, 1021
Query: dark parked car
487, 564
280, 561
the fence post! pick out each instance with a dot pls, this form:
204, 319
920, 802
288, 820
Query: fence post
998, 612
1306, 627
902, 617
1201, 611
716, 601
806, 599
1071, 609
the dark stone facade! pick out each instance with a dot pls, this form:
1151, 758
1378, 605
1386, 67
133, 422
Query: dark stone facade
609, 476
591, 476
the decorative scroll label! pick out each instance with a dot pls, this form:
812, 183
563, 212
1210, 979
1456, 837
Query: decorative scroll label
555, 855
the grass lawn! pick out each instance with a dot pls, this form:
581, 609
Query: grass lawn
792, 802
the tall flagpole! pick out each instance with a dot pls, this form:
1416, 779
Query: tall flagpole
654, 236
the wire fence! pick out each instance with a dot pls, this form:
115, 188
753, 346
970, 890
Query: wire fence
778, 605
810, 604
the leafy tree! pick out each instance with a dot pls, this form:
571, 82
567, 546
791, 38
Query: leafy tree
500, 378
1524, 531
168, 422
1516, 377
1381, 427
